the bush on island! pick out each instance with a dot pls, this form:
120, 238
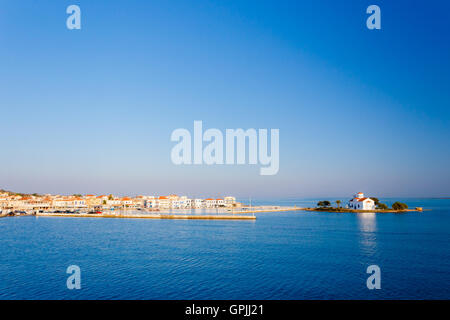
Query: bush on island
399, 206
382, 206
323, 204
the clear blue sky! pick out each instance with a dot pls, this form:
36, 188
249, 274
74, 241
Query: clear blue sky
92, 110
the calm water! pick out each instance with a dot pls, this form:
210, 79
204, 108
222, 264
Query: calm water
294, 255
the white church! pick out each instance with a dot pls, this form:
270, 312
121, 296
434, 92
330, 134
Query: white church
359, 202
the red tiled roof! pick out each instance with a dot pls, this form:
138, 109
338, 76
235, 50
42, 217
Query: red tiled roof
362, 199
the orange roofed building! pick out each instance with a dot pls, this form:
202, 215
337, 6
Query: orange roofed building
359, 202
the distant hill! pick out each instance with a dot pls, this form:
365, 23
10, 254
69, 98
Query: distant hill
19, 194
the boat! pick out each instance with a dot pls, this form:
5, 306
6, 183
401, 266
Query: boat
95, 212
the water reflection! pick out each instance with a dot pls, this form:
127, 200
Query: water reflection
367, 223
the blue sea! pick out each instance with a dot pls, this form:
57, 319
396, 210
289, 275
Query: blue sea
287, 255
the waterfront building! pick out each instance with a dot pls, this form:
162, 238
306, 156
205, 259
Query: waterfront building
3, 201
114, 202
183, 202
103, 199
198, 203
38, 203
151, 203
79, 203
359, 202
62, 203
210, 203
229, 201
68, 202
175, 204
137, 202
164, 202
125, 201
94, 202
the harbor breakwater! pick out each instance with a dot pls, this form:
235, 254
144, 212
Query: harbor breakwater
152, 216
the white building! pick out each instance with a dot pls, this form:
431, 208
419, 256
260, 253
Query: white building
114, 202
211, 203
176, 204
79, 203
126, 201
197, 203
164, 202
152, 203
229, 201
184, 202
359, 202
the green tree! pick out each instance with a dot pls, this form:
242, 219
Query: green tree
399, 206
382, 206
110, 197
338, 202
104, 202
375, 200
323, 204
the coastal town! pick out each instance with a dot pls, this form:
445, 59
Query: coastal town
28, 203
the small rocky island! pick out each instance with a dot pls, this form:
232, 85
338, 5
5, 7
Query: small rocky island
360, 203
